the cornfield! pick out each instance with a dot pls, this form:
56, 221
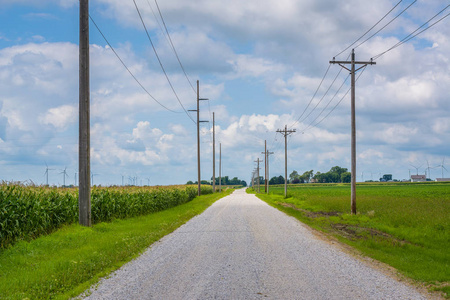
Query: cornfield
28, 212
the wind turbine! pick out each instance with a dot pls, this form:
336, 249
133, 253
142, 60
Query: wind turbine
442, 167
429, 172
417, 168
148, 179
64, 176
46, 172
92, 178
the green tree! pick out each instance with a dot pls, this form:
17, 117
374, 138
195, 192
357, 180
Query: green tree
294, 177
307, 176
297, 180
346, 177
336, 172
280, 179
276, 180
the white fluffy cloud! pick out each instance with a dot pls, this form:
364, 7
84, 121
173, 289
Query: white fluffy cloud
60, 117
259, 63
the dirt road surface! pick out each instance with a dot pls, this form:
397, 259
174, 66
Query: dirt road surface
241, 248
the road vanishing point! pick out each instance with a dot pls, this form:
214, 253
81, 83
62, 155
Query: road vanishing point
242, 248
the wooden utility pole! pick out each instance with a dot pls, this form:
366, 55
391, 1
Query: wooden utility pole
268, 173
84, 193
265, 166
220, 167
257, 172
214, 156
353, 70
266, 155
253, 180
285, 132
198, 136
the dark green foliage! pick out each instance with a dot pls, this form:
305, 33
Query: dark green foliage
276, 180
346, 177
335, 175
28, 212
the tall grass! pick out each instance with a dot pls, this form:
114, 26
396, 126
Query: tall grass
28, 212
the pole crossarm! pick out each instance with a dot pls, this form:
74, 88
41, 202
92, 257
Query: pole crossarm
352, 62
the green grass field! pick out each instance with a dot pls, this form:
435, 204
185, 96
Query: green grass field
65, 263
404, 225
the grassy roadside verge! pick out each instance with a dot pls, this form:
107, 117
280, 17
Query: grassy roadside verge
406, 227
67, 262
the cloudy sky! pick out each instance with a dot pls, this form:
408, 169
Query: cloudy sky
261, 64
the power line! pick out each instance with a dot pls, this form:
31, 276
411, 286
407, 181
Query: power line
209, 123
320, 84
328, 89
132, 75
370, 30
337, 104
173, 47
387, 24
157, 20
412, 35
328, 103
160, 63
321, 99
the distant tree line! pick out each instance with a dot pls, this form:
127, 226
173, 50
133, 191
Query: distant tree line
335, 175
225, 181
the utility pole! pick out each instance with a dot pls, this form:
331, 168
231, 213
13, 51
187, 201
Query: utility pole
84, 162
265, 166
198, 135
285, 132
214, 156
220, 167
353, 70
267, 153
257, 172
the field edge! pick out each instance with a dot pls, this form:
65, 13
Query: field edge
427, 290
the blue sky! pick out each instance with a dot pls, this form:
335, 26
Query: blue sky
259, 63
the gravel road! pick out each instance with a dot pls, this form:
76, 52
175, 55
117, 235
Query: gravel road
241, 248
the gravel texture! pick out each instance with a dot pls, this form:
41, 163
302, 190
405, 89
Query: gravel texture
241, 248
